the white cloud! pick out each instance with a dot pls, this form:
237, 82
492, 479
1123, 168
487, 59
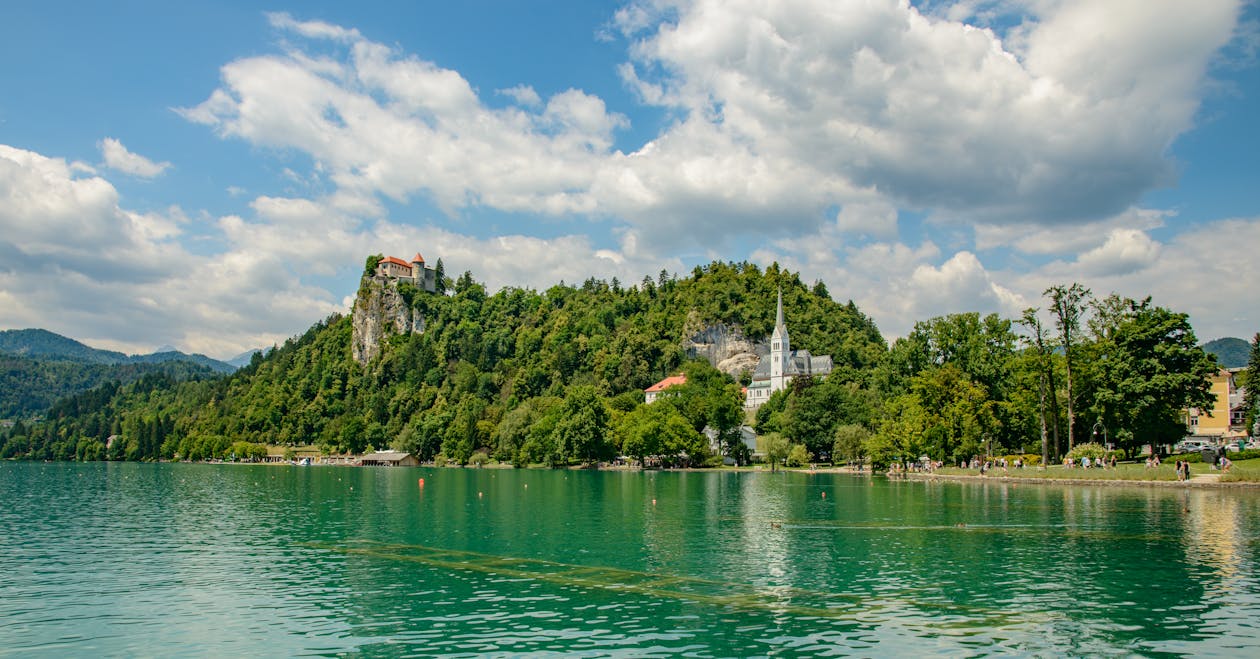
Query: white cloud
784, 110
1067, 240
523, 95
118, 158
1126, 251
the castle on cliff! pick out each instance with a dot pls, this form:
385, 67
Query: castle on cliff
392, 267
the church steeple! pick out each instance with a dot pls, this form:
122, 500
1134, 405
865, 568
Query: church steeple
780, 350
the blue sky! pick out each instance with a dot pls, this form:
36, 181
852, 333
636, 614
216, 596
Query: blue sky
211, 175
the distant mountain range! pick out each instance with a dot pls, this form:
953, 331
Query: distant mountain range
38, 367
42, 344
1230, 352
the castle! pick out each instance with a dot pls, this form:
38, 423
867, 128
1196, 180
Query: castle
775, 371
392, 267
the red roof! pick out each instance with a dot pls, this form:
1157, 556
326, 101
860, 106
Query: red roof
417, 258
667, 383
396, 260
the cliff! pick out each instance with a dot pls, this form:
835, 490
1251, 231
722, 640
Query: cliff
724, 346
380, 309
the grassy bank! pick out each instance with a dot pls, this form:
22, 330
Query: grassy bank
1247, 471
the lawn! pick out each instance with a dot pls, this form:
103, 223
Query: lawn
1244, 471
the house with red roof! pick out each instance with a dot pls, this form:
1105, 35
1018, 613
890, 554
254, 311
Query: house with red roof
655, 390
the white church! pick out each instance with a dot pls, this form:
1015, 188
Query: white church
776, 370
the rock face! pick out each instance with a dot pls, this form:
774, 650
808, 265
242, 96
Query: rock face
726, 348
379, 310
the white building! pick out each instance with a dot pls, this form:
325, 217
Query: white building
776, 370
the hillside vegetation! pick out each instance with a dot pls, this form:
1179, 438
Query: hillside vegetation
557, 377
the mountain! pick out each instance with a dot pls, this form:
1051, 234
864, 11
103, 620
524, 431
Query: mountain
42, 343
1230, 352
30, 385
177, 356
242, 360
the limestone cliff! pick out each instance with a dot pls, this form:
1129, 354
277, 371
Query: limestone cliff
380, 310
724, 346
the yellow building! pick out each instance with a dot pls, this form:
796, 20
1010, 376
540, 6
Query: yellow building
1225, 419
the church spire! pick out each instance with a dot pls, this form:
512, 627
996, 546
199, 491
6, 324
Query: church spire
778, 315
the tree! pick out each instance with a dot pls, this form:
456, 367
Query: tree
797, 456
776, 449
1148, 367
1041, 360
850, 442
582, 431
1251, 399
1067, 304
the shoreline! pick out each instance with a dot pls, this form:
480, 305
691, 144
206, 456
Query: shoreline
1202, 484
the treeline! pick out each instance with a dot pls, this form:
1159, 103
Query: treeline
30, 385
557, 377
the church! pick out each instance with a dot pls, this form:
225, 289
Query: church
776, 370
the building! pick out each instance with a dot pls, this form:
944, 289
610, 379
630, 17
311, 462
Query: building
389, 459
651, 393
1227, 418
776, 370
392, 267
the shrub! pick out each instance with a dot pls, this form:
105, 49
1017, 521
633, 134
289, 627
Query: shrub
1091, 450
439, 460
798, 456
478, 459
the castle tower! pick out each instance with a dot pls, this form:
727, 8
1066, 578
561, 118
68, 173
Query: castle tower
780, 351
417, 269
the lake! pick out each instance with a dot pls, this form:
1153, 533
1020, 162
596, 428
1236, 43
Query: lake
227, 560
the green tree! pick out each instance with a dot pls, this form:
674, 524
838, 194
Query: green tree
1040, 349
850, 443
1068, 304
1251, 399
776, 449
798, 456
1147, 368
582, 432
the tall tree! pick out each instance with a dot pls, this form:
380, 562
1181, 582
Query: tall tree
1036, 341
1149, 367
1251, 399
1067, 304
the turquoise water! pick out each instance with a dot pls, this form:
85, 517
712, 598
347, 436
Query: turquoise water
228, 560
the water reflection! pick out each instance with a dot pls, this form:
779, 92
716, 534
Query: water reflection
240, 560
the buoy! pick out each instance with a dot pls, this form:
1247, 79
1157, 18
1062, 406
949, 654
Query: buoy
478, 495
653, 502
421, 482
824, 495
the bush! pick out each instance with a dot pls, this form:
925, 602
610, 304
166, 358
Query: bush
439, 460
798, 456
479, 459
1030, 460
1091, 450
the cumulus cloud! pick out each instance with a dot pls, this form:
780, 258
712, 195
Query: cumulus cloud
785, 110
118, 158
74, 261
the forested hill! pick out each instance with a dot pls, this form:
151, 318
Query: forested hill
45, 345
1230, 352
488, 372
29, 386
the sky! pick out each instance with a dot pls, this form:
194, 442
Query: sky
211, 175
